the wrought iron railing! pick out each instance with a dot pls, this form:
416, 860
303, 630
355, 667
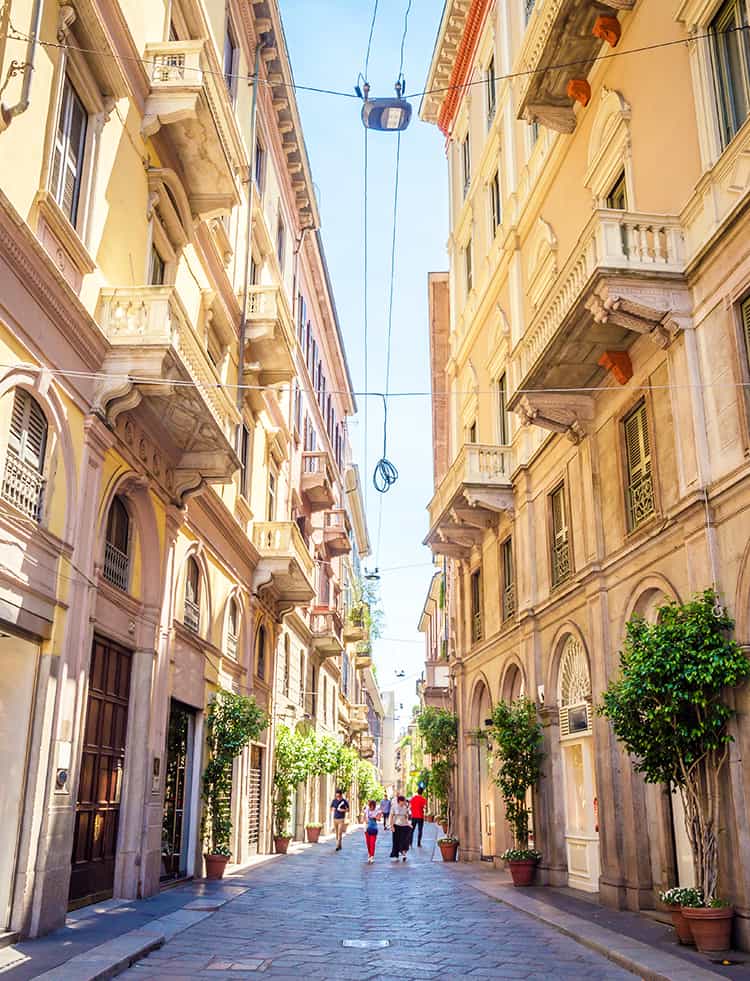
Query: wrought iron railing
560, 562
232, 645
641, 503
476, 627
509, 600
23, 487
116, 566
192, 617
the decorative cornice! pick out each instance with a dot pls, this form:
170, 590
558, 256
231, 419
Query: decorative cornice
462, 64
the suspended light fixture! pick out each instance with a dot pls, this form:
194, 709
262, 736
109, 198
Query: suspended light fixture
386, 115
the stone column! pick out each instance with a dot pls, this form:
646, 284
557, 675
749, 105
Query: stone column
549, 805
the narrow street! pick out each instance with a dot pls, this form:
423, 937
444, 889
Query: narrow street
297, 913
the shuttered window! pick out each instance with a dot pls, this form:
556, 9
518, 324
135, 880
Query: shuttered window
640, 490
509, 579
67, 159
23, 483
503, 429
466, 163
495, 203
560, 540
192, 617
745, 311
476, 606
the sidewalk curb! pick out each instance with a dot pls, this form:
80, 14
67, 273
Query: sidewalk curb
639, 958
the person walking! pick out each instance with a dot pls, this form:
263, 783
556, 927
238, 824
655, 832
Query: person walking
417, 806
372, 813
401, 828
339, 810
385, 810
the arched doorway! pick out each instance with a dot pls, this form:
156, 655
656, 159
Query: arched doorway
579, 775
484, 772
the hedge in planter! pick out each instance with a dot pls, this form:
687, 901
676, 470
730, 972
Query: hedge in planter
517, 737
438, 729
668, 710
232, 721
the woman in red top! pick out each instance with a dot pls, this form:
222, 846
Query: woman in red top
417, 805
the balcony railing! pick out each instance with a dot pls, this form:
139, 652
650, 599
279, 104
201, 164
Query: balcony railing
560, 562
509, 600
641, 503
23, 487
232, 643
116, 566
476, 627
286, 565
176, 63
477, 465
192, 615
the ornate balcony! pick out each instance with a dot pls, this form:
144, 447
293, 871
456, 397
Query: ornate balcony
476, 487
354, 628
366, 746
358, 721
326, 628
336, 532
23, 487
363, 656
269, 336
188, 98
569, 34
286, 567
317, 480
623, 279
159, 365
436, 686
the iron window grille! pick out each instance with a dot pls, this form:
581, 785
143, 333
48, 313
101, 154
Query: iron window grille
116, 547
476, 606
509, 585
640, 490
560, 542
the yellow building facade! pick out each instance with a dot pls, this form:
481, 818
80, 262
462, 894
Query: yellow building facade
173, 403
590, 362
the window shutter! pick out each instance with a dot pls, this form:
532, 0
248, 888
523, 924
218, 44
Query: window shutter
558, 516
745, 309
637, 445
28, 430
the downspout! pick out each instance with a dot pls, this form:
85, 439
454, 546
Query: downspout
7, 115
249, 228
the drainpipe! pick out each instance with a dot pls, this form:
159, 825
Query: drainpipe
249, 229
7, 115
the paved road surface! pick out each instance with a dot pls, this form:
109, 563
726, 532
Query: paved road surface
297, 912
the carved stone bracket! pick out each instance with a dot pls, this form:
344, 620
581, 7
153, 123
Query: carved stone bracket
561, 119
558, 412
631, 310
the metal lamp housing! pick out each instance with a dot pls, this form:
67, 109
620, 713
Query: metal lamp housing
387, 115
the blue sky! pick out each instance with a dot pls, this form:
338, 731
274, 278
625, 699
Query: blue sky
327, 43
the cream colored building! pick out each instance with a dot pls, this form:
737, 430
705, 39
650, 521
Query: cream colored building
164, 530
590, 357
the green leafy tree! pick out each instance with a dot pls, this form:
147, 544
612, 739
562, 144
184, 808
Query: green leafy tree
438, 730
517, 738
668, 709
232, 721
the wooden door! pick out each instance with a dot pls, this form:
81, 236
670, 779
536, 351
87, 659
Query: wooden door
100, 783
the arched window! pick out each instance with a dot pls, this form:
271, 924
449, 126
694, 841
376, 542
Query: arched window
574, 690
260, 653
117, 545
23, 483
233, 629
192, 616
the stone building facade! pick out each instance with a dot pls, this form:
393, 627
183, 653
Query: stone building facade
173, 447
590, 361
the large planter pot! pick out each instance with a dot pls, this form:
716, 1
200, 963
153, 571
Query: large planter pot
448, 850
681, 925
215, 866
711, 928
281, 844
522, 871
313, 834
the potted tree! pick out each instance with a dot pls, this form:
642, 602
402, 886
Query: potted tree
438, 729
291, 765
668, 708
232, 721
517, 738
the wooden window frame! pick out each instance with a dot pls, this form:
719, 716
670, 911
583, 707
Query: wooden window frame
556, 580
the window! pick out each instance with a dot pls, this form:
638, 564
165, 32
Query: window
253, 271
325, 698
231, 60
260, 653
287, 666
272, 486
280, 240
301, 318
509, 584
313, 693
640, 491
489, 83
297, 408
333, 706
192, 615
466, 163
471, 433
533, 135
560, 547
260, 165
468, 268
495, 203
233, 628
301, 678
245, 462
67, 160
476, 606
618, 196
23, 481
503, 423
156, 268
116, 545
731, 66
745, 314
528, 6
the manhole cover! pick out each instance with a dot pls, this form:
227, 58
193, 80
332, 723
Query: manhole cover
366, 944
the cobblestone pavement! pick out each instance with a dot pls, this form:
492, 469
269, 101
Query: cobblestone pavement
299, 911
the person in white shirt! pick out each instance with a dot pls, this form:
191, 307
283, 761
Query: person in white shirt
401, 828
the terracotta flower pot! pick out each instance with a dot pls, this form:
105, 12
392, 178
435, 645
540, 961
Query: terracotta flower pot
448, 850
313, 834
522, 870
281, 844
215, 866
711, 928
681, 926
